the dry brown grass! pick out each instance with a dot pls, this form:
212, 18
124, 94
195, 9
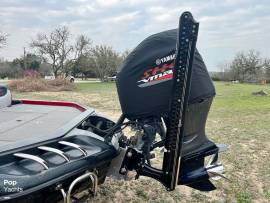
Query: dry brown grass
37, 85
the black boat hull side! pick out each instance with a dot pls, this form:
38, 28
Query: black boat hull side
22, 177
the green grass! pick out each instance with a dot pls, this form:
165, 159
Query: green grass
96, 86
238, 97
237, 118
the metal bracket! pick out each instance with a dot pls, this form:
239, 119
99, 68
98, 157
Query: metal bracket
73, 145
37, 159
216, 171
54, 150
67, 196
94, 179
64, 195
222, 147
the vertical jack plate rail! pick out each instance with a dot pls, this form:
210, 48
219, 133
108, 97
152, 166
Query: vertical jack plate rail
185, 49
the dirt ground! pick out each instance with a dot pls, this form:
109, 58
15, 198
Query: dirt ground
237, 118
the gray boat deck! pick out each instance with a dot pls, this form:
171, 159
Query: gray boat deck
23, 121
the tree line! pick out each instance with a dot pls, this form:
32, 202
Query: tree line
247, 66
55, 54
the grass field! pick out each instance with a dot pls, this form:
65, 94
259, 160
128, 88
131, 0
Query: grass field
237, 118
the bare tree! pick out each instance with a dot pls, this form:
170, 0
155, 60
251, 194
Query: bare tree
82, 46
125, 54
253, 64
237, 66
105, 61
246, 66
267, 69
122, 58
3, 39
54, 48
80, 63
224, 73
29, 61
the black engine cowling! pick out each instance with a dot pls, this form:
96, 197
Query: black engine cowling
144, 81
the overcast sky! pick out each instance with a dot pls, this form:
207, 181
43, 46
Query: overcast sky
226, 26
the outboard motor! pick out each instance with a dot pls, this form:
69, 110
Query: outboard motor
164, 89
145, 80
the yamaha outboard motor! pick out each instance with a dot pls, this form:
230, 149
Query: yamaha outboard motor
145, 80
165, 89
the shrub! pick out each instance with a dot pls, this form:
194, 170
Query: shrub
216, 78
38, 85
31, 74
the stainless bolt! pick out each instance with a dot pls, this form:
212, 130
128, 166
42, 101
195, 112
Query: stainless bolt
123, 170
129, 154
